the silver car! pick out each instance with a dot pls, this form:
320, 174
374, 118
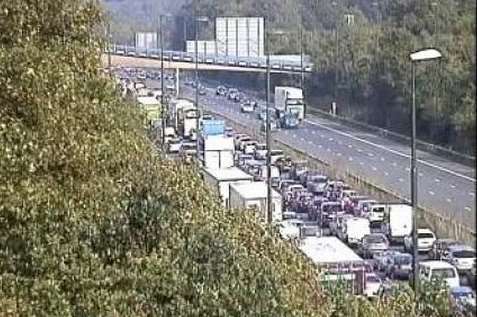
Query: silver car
373, 243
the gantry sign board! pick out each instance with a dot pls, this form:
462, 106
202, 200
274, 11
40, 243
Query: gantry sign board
240, 36
146, 40
203, 47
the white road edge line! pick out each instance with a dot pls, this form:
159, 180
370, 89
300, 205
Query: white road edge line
391, 151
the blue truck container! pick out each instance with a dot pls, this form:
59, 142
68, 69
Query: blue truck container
213, 127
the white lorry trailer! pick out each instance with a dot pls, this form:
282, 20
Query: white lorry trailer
289, 100
336, 261
254, 196
184, 117
219, 179
218, 151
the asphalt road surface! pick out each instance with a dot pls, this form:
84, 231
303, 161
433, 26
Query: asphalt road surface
443, 186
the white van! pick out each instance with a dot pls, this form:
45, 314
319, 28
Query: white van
430, 270
355, 229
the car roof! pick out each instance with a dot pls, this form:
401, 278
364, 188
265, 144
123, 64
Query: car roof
461, 289
460, 247
424, 230
437, 264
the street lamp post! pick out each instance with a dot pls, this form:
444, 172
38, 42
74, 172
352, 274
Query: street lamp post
335, 95
197, 21
267, 123
422, 55
163, 107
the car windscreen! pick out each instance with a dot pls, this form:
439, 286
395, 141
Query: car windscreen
403, 260
425, 235
443, 273
375, 239
465, 254
372, 279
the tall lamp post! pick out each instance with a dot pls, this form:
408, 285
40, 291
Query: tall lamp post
267, 123
163, 106
419, 56
197, 21
334, 4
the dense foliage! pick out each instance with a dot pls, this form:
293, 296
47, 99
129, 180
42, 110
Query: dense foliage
93, 222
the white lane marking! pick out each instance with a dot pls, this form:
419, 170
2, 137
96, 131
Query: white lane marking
328, 150
320, 146
452, 186
313, 132
472, 194
431, 193
386, 173
350, 146
330, 139
339, 154
302, 139
382, 159
374, 168
468, 208
361, 163
420, 174
437, 180
359, 150
401, 180
350, 158
310, 142
391, 151
370, 154
449, 200
394, 164
294, 135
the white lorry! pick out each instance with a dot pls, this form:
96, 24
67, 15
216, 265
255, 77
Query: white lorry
289, 100
219, 179
184, 117
398, 222
336, 261
254, 196
218, 151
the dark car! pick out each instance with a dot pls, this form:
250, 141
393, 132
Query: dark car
400, 266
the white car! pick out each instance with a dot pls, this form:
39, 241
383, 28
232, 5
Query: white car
425, 240
372, 285
461, 256
260, 151
246, 107
431, 270
249, 147
175, 145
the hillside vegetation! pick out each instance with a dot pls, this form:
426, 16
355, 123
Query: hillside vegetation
94, 222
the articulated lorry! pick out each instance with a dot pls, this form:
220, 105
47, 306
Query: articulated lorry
289, 106
184, 117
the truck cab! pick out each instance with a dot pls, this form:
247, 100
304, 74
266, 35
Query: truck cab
289, 100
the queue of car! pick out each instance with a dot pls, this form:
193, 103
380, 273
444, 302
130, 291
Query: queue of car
377, 231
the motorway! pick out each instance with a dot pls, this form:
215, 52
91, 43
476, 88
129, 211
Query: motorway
445, 187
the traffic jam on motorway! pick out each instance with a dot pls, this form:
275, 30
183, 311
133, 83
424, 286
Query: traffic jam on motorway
352, 237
